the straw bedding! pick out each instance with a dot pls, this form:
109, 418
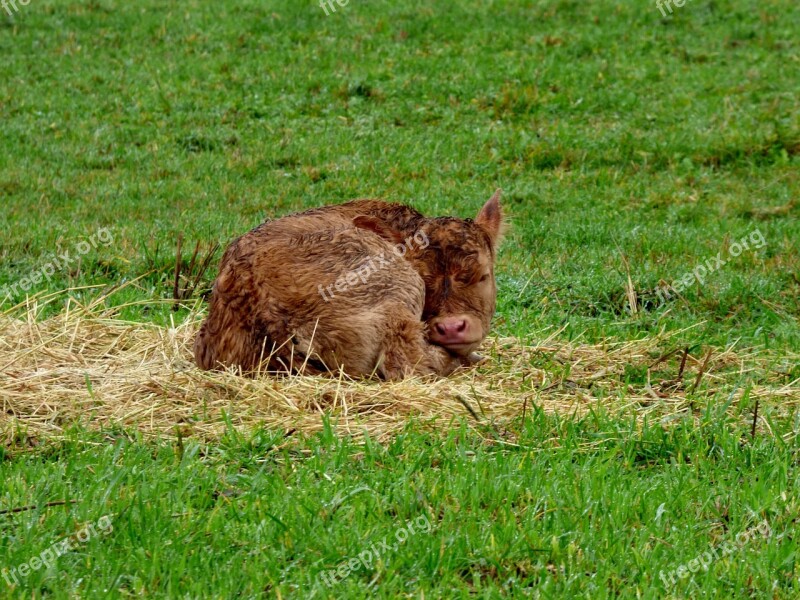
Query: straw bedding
84, 366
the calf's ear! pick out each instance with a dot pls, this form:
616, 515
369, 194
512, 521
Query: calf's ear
378, 226
490, 217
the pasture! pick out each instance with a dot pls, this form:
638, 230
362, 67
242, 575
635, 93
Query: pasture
634, 431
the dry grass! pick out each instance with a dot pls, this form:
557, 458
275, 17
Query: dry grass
85, 366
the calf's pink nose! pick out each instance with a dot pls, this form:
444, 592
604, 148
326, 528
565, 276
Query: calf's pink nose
451, 330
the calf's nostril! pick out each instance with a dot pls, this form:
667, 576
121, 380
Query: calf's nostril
441, 329
461, 326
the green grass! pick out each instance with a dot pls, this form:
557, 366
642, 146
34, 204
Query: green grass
619, 137
613, 132
591, 508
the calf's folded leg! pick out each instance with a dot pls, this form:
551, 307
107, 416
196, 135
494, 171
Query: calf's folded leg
407, 353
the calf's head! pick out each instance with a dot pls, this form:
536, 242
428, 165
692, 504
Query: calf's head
458, 270
457, 265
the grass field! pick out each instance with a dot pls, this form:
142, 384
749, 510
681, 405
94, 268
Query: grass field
633, 149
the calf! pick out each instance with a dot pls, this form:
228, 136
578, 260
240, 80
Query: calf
368, 287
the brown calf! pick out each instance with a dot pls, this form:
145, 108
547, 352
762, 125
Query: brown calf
368, 287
